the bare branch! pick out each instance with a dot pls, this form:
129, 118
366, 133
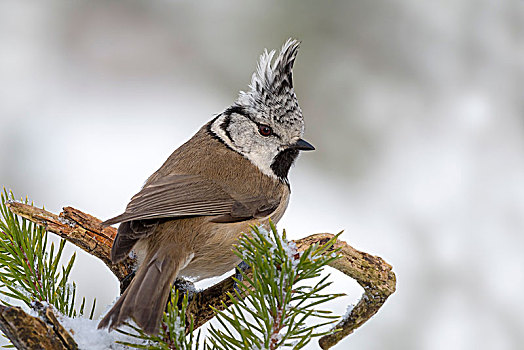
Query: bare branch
85, 231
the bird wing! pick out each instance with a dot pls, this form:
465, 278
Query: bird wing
176, 196
181, 196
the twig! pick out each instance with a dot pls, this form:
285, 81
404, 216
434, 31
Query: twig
371, 272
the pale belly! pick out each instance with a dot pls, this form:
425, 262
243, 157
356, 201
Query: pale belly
216, 256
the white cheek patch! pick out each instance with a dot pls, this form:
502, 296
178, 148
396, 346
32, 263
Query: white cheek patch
262, 158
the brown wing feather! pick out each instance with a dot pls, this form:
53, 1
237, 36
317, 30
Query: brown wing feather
177, 196
180, 196
251, 208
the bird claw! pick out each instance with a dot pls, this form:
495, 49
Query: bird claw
185, 287
242, 267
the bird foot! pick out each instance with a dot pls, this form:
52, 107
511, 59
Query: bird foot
185, 287
242, 267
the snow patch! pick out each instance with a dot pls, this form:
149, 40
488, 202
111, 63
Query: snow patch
88, 336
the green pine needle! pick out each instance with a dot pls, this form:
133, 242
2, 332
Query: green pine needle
30, 268
273, 315
172, 335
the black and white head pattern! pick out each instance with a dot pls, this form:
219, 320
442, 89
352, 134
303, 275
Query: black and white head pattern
265, 122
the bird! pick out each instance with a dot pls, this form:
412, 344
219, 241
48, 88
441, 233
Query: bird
232, 174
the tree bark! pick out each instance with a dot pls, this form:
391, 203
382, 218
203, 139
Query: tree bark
85, 231
30, 332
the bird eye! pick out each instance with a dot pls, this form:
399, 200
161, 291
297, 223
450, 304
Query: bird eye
264, 130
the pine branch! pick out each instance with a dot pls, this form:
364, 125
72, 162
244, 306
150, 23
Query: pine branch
30, 268
271, 306
371, 272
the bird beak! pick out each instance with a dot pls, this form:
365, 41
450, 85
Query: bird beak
303, 145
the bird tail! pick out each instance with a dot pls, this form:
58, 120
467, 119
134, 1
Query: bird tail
146, 297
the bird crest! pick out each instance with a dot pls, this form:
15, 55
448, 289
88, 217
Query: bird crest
271, 90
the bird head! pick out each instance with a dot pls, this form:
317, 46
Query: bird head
265, 123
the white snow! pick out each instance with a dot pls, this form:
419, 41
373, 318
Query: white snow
348, 311
88, 337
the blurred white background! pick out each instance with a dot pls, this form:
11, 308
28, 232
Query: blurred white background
416, 109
